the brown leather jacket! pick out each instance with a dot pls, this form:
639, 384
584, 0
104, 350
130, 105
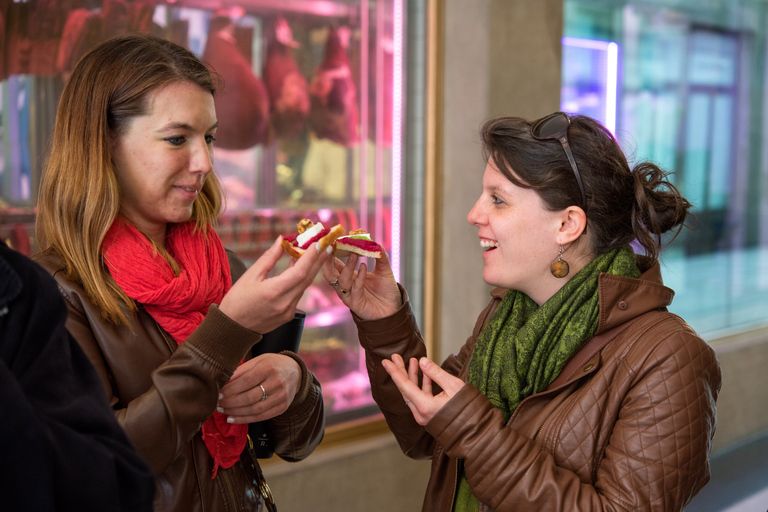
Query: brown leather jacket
628, 425
163, 392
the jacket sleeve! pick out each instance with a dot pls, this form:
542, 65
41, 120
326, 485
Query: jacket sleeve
184, 389
397, 334
58, 431
297, 432
656, 457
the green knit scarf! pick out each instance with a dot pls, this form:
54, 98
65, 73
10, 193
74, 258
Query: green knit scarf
525, 347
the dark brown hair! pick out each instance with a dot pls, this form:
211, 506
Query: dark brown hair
79, 194
622, 204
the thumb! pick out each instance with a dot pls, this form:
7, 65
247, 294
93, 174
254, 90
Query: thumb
269, 259
383, 266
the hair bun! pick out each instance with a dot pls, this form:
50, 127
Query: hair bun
659, 206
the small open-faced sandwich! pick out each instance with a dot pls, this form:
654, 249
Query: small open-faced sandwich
357, 242
308, 234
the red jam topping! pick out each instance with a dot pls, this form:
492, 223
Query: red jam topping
366, 245
315, 238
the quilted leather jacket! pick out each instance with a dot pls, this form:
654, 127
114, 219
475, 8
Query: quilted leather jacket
627, 426
162, 393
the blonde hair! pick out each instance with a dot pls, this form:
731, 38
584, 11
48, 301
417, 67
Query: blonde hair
79, 194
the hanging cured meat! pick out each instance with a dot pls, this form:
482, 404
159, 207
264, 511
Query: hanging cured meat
115, 18
140, 16
33, 31
242, 105
333, 100
288, 90
380, 93
82, 31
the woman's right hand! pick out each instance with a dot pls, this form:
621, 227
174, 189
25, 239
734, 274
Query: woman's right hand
418, 397
371, 295
263, 303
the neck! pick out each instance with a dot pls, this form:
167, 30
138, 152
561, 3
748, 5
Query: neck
549, 284
157, 236
154, 232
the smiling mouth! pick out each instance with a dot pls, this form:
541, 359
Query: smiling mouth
489, 244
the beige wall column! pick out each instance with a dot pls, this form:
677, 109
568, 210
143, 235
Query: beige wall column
501, 57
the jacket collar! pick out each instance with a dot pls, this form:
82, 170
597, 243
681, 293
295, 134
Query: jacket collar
624, 298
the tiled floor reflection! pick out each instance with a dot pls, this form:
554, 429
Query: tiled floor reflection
739, 480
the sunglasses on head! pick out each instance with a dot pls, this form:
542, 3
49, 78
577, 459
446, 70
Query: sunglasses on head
555, 127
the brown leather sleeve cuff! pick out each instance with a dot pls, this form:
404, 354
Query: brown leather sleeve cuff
381, 332
455, 426
221, 340
305, 383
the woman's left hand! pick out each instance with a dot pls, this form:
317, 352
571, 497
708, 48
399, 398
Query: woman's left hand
423, 404
242, 399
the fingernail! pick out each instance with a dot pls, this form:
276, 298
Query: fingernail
318, 246
220, 409
230, 420
329, 249
221, 396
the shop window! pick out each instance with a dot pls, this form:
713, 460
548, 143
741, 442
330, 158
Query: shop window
311, 123
690, 97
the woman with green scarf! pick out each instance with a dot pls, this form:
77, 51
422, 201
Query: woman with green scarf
577, 389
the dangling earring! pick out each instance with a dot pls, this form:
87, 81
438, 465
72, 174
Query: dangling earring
559, 267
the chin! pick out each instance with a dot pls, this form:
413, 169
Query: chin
500, 281
492, 280
180, 217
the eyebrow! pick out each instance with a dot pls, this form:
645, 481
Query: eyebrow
174, 125
495, 189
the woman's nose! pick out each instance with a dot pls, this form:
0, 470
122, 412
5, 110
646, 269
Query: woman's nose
202, 159
474, 216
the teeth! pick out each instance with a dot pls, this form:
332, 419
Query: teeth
488, 243
188, 189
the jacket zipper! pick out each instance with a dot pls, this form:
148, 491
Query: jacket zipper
197, 476
165, 338
455, 483
541, 428
230, 489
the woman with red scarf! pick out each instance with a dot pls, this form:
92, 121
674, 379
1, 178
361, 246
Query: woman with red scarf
162, 310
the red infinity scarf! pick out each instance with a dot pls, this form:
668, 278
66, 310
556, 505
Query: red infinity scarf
180, 303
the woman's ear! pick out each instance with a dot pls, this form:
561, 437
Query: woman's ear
573, 222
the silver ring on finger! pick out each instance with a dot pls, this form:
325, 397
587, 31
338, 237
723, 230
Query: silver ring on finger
335, 282
407, 401
263, 393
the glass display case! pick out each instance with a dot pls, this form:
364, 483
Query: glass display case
311, 118
689, 96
